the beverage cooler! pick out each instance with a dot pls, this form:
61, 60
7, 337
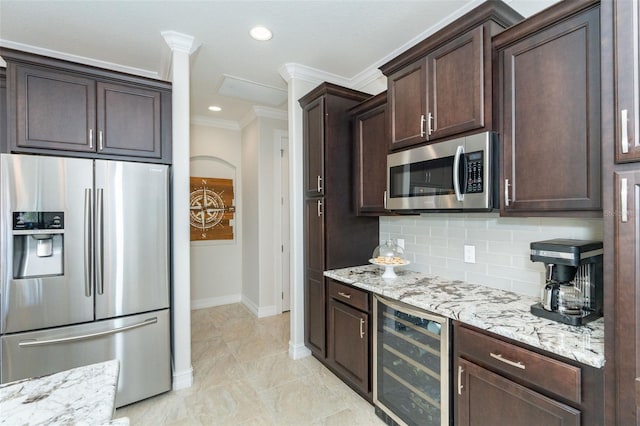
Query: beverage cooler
411, 365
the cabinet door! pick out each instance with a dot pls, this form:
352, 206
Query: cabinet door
313, 119
371, 161
128, 121
348, 343
314, 294
456, 92
488, 399
627, 287
54, 110
407, 90
550, 94
627, 39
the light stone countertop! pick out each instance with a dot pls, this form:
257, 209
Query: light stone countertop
80, 396
501, 312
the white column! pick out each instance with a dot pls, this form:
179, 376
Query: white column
297, 88
182, 46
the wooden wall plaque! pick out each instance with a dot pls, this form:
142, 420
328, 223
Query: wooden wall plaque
211, 208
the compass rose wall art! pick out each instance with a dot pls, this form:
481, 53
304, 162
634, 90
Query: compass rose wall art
211, 209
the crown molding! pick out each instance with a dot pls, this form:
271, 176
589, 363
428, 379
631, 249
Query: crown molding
80, 59
180, 42
312, 75
257, 111
200, 120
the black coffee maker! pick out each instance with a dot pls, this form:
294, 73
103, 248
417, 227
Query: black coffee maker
573, 288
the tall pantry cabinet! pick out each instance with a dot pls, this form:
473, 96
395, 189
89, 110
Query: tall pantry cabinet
334, 237
621, 194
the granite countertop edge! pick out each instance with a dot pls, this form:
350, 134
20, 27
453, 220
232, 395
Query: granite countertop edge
79, 396
498, 311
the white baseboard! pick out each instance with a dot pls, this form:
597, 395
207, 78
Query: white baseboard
183, 379
259, 311
215, 301
298, 351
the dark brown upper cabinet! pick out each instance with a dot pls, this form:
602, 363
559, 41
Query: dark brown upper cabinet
627, 73
442, 86
371, 145
60, 108
313, 124
548, 102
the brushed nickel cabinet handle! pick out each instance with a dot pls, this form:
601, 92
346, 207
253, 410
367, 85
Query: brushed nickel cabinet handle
499, 357
422, 120
90, 138
319, 208
361, 328
460, 386
384, 201
345, 295
506, 192
624, 135
100, 140
430, 124
624, 214
319, 183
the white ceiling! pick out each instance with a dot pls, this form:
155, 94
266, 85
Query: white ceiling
347, 39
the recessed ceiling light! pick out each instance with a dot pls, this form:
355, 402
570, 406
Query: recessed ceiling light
260, 33
215, 108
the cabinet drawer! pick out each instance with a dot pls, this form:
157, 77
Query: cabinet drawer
349, 295
547, 373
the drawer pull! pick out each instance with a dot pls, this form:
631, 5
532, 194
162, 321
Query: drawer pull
361, 328
345, 295
460, 386
507, 361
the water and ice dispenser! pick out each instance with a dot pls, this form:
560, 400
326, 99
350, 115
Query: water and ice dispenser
38, 244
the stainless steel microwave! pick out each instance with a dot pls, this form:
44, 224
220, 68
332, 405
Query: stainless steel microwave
454, 175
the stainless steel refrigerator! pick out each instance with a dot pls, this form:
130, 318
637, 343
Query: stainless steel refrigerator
84, 269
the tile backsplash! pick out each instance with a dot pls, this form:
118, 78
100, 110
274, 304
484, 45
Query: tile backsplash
434, 244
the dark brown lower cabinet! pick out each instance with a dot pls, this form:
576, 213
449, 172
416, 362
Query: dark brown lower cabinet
498, 381
348, 342
315, 310
488, 399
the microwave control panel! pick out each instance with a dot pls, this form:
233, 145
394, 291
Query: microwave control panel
475, 172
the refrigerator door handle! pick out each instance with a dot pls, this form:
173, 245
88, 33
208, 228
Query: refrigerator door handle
29, 343
88, 225
99, 241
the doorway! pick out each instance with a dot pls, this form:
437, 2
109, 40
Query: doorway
281, 219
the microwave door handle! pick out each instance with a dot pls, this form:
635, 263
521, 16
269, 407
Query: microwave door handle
456, 173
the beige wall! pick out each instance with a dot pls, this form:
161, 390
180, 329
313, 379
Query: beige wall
259, 239
216, 266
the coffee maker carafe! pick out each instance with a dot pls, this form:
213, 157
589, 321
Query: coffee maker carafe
573, 287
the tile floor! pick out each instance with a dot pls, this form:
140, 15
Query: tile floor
244, 376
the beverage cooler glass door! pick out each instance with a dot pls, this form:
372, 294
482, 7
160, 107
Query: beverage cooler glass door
411, 364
